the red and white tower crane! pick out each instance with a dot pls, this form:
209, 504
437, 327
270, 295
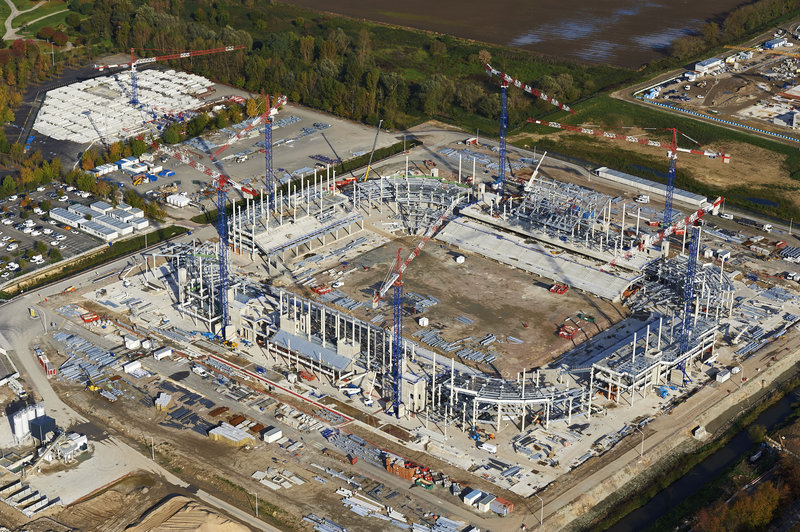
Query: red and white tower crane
169, 57
505, 81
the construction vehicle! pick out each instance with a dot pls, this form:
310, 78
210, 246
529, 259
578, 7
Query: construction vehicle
372, 153
349, 459
32, 313
567, 331
368, 396
307, 376
559, 288
139, 179
529, 184
68, 290
322, 289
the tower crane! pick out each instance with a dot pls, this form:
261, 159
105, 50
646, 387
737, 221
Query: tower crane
395, 279
688, 295
267, 117
221, 183
505, 81
177, 55
671, 147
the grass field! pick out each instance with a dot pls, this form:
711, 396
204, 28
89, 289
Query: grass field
54, 21
22, 5
763, 176
52, 6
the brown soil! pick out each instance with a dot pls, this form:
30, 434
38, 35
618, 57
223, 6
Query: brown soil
501, 300
355, 413
749, 164
397, 432
181, 513
618, 32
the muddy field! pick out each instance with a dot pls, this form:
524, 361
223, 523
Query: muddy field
500, 300
620, 32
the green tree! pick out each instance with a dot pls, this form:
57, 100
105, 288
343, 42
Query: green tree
40, 247
55, 255
9, 186
45, 205
172, 135
757, 433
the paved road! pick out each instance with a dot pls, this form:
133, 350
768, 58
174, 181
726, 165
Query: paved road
11, 33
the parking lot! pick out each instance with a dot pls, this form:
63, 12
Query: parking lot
18, 235
304, 139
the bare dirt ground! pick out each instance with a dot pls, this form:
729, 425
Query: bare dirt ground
501, 300
120, 507
182, 513
621, 32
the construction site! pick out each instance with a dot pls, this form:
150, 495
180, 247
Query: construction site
477, 323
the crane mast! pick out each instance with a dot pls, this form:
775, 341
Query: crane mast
169, 57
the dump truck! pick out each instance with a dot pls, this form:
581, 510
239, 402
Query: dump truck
349, 459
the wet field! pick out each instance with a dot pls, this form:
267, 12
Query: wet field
620, 32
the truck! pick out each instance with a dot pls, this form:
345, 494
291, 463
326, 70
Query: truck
767, 228
488, 447
642, 198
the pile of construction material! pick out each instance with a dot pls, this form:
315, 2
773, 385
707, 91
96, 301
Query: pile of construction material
86, 363
275, 480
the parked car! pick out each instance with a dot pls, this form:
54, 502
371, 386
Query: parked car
61, 237
36, 232
54, 243
63, 198
47, 231
39, 189
12, 246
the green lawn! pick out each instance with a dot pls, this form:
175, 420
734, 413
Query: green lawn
50, 7
54, 21
5, 11
22, 5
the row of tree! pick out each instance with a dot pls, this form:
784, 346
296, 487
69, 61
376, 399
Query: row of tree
740, 22
349, 68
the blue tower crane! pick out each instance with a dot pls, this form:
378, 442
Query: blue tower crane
673, 165
688, 297
169, 57
505, 81
501, 175
397, 340
222, 229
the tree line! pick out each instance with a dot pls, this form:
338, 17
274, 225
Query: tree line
356, 70
737, 24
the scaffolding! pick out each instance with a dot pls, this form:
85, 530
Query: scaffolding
417, 202
311, 215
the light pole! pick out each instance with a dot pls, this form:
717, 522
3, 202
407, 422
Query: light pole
152, 448
256, 494
641, 450
741, 377
541, 513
